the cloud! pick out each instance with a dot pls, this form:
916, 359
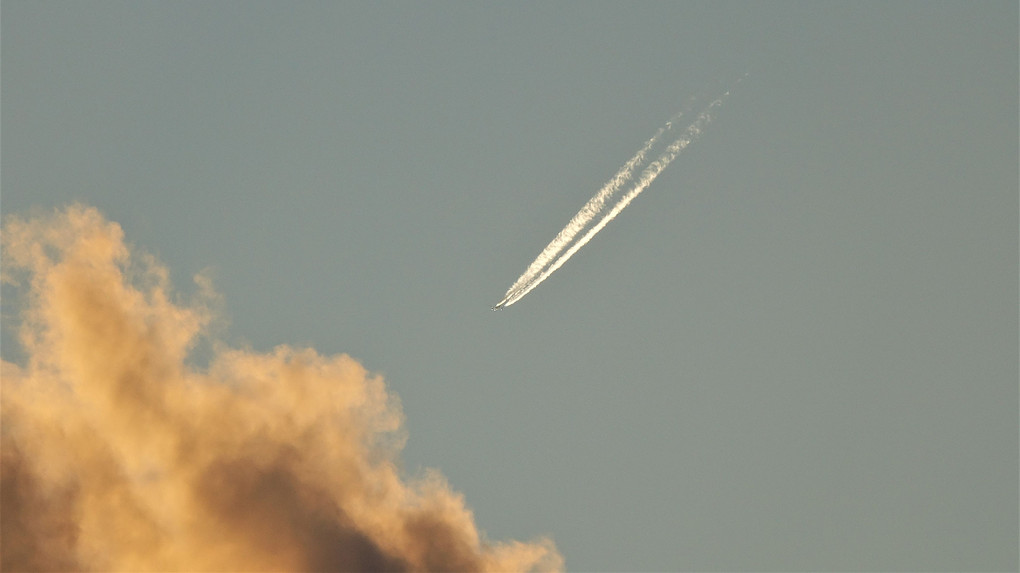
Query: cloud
119, 454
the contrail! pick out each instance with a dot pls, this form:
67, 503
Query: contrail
587, 213
529, 281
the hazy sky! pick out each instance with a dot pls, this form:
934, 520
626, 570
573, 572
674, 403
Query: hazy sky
797, 350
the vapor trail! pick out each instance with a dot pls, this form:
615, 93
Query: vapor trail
647, 176
587, 213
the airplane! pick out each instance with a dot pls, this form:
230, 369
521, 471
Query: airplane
499, 306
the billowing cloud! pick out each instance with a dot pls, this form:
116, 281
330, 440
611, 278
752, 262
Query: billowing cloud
119, 454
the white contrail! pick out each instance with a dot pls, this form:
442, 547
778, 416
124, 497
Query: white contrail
587, 213
647, 176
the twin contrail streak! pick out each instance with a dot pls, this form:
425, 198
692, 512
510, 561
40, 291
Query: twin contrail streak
590, 210
554, 255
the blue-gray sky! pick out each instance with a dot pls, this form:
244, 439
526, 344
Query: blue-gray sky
797, 350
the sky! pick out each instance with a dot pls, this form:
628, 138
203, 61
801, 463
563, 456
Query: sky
796, 350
